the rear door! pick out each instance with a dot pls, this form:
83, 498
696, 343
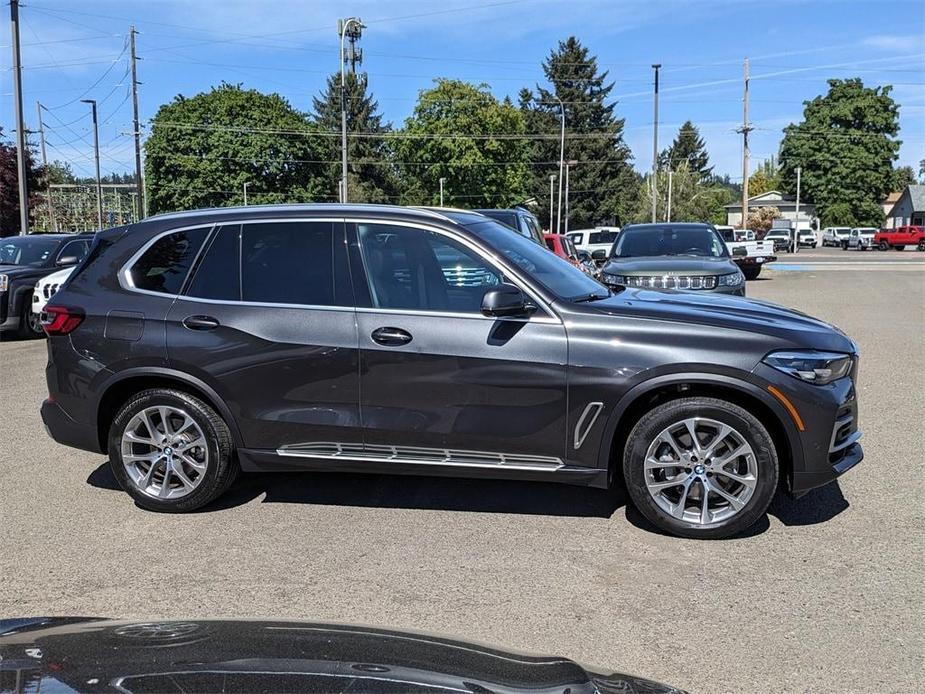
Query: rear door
268, 322
440, 381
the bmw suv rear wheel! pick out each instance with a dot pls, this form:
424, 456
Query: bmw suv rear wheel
171, 451
700, 467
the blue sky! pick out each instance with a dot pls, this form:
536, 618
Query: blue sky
74, 50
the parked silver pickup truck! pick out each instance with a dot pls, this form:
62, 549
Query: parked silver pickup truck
749, 255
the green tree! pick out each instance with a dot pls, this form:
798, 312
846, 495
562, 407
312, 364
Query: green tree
203, 149
371, 176
765, 178
460, 132
688, 147
846, 146
902, 177
603, 185
691, 199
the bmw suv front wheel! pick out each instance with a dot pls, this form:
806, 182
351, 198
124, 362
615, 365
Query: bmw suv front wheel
700, 467
171, 451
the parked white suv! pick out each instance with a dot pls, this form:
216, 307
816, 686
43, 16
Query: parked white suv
46, 287
833, 236
595, 240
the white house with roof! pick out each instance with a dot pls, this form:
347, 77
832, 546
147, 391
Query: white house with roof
786, 204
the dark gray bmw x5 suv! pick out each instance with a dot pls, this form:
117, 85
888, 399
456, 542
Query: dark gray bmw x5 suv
385, 339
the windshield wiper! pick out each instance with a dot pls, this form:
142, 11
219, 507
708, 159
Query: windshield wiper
589, 297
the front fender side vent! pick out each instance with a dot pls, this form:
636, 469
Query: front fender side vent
586, 421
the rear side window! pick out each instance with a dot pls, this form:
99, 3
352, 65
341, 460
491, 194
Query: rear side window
219, 274
164, 266
289, 263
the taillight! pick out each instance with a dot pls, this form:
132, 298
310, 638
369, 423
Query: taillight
61, 320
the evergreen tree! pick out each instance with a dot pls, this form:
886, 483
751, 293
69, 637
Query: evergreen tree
9, 187
371, 176
603, 185
688, 147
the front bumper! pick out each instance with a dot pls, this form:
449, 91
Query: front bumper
66, 431
828, 446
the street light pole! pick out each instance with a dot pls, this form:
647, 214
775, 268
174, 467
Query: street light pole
569, 164
796, 234
668, 213
344, 26
552, 181
561, 164
96, 155
442, 181
655, 144
20, 123
246, 183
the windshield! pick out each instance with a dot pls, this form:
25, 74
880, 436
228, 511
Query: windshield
602, 237
26, 250
554, 273
648, 240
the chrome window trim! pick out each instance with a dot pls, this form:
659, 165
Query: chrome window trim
125, 278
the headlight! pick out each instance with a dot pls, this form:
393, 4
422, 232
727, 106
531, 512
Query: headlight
607, 278
813, 367
733, 279
4, 283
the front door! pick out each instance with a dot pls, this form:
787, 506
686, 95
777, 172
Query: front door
439, 380
268, 322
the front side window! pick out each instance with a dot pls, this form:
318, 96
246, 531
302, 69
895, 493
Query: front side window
289, 263
164, 266
416, 269
75, 249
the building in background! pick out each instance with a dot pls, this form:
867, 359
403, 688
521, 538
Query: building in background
909, 208
887, 206
786, 204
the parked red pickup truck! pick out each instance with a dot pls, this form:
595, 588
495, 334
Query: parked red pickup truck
910, 235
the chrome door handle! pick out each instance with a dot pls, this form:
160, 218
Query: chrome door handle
391, 337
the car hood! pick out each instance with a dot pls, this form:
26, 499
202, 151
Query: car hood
669, 265
794, 329
101, 655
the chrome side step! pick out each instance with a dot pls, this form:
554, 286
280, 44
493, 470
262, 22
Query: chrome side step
420, 456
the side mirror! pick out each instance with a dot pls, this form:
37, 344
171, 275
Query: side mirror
599, 254
67, 260
740, 251
505, 300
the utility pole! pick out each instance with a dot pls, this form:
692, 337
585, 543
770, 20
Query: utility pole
442, 181
20, 124
246, 183
552, 182
52, 222
796, 232
139, 183
656, 67
96, 154
668, 213
745, 130
352, 28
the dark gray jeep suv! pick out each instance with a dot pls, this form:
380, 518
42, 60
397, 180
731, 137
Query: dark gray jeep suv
387, 339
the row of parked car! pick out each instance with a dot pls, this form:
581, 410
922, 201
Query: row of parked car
865, 238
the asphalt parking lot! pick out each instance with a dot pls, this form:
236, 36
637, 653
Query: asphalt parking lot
826, 594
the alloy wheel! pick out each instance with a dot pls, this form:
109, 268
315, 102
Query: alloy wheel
164, 452
35, 323
701, 471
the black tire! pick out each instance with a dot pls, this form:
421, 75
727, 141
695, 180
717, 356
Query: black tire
844, 245
222, 466
814, 245
921, 245
900, 247
751, 273
29, 324
884, 246
658, 419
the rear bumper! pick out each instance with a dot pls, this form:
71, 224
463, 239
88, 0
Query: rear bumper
66, 431
749, 261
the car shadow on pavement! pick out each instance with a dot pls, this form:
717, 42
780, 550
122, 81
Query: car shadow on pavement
817, 506
406, 492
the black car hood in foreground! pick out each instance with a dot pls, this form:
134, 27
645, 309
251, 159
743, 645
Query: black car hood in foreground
794, 328
669, 265
90, 655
